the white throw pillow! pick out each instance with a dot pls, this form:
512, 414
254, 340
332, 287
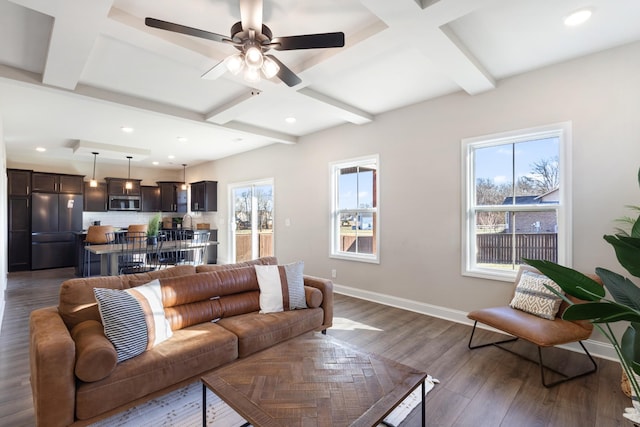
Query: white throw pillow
281, 287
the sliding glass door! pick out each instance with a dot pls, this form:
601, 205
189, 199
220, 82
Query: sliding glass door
252, 216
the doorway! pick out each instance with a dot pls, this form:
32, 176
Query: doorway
252, 220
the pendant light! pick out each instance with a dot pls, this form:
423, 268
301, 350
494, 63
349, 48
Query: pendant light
184, 176
129, 185
93, 182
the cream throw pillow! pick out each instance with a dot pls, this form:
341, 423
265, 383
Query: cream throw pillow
281, 287
533, 297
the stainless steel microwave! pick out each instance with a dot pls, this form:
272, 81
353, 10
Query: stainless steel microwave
124, 203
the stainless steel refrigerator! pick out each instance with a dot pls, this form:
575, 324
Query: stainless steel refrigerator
55, 220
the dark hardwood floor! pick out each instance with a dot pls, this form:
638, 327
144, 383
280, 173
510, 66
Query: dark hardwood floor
484, 387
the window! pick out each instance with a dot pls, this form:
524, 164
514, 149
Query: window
516, 196
251, 210
354, 210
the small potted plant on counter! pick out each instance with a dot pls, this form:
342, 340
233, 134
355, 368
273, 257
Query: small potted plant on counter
152, 229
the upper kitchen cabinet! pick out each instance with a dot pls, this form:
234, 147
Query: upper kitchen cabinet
150, 198
57, 183
172, 197
95, 198
19, 182
117, 187
204, 196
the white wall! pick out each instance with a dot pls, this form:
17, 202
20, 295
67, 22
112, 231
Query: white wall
420, 170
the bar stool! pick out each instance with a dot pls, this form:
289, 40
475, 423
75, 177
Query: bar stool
96, 235
137, 228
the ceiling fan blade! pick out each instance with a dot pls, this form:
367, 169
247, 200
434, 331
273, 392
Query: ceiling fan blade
251, 15
182, 29
309, 41
285, 74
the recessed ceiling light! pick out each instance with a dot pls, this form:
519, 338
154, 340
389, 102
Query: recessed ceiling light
126, 129
290, 120
578, 17
155, 163
171, 156
182, 139
41, 149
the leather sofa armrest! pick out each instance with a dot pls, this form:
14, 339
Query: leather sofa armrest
52, 356
326, 287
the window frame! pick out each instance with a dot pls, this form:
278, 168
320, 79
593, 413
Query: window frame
563, 131
334, 250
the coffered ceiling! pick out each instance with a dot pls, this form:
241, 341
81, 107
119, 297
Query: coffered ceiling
74, 72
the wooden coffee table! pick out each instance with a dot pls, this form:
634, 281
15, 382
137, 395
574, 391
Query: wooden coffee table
314, 380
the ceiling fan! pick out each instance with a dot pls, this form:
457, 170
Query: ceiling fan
253, 39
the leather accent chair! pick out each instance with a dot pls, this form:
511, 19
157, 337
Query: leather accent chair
536, 330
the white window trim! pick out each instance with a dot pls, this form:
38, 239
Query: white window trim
333, 244
565, 238
232, 215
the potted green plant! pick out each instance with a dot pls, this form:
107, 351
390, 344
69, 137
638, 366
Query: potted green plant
602, 311
152, 229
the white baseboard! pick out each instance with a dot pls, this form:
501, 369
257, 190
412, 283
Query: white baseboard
596, 348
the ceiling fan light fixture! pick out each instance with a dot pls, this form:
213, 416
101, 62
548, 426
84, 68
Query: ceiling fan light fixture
270, 68
234, 63
253, 57
252, 75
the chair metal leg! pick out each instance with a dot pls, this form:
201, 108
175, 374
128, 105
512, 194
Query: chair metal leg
495, 343
566, 378
539, 361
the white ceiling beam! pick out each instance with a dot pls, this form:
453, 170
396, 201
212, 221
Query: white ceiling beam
425, 25
269, 134
230, 110
76, 26
344, 111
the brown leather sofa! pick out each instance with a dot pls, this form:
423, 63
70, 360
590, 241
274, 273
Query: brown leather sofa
212, 310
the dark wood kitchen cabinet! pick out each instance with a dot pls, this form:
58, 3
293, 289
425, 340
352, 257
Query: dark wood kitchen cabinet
150, 198
18, 220
19, 182
57, 183
95, 198
117, 187
204, 196
172, 197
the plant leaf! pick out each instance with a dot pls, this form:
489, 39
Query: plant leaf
635, 230
571, 281
623, 290
601, 312
630, 347
627, 251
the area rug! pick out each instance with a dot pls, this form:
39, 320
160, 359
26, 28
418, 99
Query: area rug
182, 408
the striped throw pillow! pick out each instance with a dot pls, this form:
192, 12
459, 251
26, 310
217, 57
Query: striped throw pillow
133, 319
281, 287
533, 297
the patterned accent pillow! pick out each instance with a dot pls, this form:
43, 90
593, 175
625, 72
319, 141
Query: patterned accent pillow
133, 319
533, 297
281, 287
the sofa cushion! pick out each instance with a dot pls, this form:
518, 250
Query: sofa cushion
257, 331
96, 357
281, 287
188, 354
133, 319
533, 297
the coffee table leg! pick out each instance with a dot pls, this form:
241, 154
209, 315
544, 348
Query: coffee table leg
424, 420
204, 406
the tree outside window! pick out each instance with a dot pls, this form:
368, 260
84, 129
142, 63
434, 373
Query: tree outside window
515, 200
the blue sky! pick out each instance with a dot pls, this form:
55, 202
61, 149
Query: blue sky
495, 163
348, 197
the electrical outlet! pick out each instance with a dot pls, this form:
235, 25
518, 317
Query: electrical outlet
333, 273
